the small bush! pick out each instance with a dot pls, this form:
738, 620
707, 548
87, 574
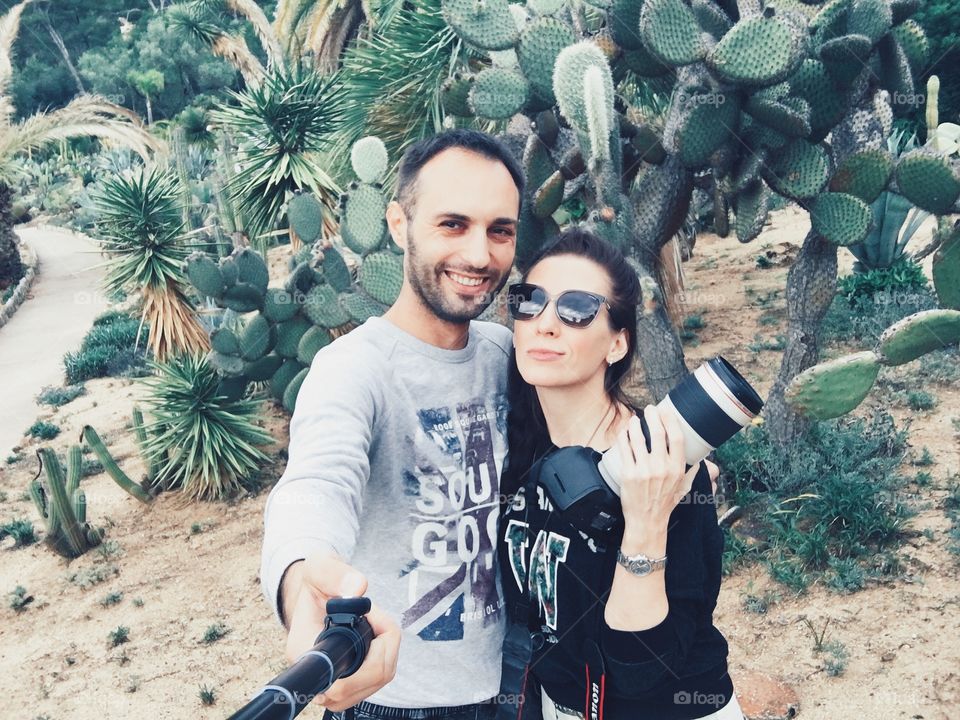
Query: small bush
835, 662
214, 632
111, 599
904, 277
920, 400
21, 531
119, 636
43, 430
58, 396
207, 695
825, 505
108, 350
19, 598
90, 466
94, 575
925, 459
861, 319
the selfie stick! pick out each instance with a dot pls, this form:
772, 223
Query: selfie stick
338, 652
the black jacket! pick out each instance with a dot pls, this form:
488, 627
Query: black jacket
676, 670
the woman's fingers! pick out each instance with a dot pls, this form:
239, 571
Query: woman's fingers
675, 441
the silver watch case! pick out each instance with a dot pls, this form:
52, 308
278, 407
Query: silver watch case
640, 565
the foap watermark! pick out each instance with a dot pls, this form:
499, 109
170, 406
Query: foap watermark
908, 99
716, 700
707, 98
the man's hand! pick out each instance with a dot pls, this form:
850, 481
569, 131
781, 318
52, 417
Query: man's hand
307, 586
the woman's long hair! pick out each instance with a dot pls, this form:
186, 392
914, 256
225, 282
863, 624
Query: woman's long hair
527, 433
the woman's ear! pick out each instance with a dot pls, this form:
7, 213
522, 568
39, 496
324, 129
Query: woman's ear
397, 223
618, 348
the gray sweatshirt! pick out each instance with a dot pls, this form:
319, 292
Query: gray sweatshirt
396, 448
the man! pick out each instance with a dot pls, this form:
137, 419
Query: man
396, 447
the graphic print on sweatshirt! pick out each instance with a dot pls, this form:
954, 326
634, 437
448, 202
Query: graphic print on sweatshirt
452, 579
549, 550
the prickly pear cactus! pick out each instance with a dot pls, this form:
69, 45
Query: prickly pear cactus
836, 387
274, 333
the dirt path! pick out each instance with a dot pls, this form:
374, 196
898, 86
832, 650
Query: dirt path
64, 300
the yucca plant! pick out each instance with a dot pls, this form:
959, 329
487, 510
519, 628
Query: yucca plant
199, 442
282, 127
141, 224
84, 115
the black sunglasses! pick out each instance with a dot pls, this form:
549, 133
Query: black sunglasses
576, 308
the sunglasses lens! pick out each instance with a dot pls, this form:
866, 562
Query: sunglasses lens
526, 301
577, 309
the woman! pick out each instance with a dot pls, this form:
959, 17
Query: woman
606, 641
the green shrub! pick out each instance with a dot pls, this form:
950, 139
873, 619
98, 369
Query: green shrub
58, 396
904, 276
21, 531
19, 598
214, 632
826, 504
43, 430
119, 636
108, 350
920, 400
207, 695
861, 319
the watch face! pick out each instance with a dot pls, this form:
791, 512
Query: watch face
642, 567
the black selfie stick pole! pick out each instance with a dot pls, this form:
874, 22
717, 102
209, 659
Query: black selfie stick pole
338, 652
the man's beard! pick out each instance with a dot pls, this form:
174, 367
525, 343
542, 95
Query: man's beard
427, 281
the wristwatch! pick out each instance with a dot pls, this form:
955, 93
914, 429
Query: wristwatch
640, 565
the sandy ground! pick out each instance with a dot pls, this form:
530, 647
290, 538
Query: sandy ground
55, 658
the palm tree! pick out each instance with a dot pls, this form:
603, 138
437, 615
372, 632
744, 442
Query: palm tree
84, 115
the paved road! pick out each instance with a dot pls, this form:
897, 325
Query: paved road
58, 312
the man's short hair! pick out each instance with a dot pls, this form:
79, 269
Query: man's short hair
418, 154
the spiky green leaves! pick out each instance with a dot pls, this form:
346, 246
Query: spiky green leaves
833, 388
840, 218
487, 24
758, 50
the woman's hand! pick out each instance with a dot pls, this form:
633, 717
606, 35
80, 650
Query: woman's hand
652, 483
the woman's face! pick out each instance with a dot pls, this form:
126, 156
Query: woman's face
551, 354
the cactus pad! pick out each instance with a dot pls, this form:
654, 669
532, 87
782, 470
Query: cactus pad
751, 207
759, 50
670, 31
917, 335
541, 42
293, 390
205, 275
928, 181
841, 218
833, 388
263, 369
321, 306
946, 271
498, 93
251, 268
335, 270
800, 171
282, 377
369, 160
548, 196
487, 24
279, 305
568, 83
381, 276
305, 215
454, 93
864, 174
289, 334
364, 224
224, 341
360, 306
312, 340
257, 338
243, 297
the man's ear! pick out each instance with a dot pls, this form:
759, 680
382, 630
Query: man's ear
397, 223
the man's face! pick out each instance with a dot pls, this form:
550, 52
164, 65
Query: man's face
461, 239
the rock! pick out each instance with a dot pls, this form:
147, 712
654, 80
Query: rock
764, 697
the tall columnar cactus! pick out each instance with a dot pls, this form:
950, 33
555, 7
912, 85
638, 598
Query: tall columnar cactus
331, 287
757, 88
63, 505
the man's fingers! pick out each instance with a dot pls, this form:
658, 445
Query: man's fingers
375, 672
331, 576
387, 633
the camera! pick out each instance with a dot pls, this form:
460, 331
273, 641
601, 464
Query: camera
712, 405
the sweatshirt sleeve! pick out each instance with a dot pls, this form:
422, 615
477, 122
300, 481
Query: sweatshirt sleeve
316, 504
638, 661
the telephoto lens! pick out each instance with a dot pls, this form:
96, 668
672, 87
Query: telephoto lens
711, 404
